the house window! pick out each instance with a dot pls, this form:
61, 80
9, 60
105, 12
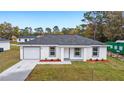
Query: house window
95, 51
120, 48
77, 52
25, 40
111, 46
52, 51
19, 39
115, 47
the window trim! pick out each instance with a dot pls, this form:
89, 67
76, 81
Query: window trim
78, 51
121, 48
52, 51
115, 47
95, 51
111, 46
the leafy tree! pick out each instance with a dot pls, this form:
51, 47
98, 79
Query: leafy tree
56, 30
113, 27
38, 31
16, 31
7, 30
97, 19
26, 31
64, 30
48, 30
105, 25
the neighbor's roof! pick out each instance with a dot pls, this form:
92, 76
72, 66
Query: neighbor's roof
27, 36
63, 40
120, 41
3, 39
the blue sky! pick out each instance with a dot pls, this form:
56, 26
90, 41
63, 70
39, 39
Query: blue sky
42, 18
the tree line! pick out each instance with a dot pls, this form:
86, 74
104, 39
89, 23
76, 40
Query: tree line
99, 25
104, 25
7, 31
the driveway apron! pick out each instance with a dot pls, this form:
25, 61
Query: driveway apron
19, 71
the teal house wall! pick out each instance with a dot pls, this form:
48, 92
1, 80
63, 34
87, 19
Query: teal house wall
115, 47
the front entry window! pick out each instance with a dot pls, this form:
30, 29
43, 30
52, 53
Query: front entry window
95, 51
77, 52
52, 51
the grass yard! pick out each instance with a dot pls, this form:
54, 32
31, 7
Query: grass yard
113, 70
9, 58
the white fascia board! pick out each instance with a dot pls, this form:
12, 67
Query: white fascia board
55, 45
63, 45
82, 45
35, 45
73, 46
7, 41
99, 45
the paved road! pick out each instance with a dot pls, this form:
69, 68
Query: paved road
19, 71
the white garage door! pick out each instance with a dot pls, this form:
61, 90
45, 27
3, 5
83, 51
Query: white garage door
31, 53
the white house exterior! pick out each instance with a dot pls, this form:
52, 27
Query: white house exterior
64, 47
25, 38
4, 44
120, 41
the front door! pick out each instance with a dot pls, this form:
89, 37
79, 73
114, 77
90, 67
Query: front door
66, 53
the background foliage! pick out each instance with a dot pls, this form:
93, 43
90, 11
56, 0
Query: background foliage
99, 25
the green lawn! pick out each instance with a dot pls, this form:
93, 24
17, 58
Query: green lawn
113, 70
9, 58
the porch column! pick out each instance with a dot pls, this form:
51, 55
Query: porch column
21, 52
62, 54
85, 54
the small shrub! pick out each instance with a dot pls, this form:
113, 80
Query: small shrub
90, 59
96, 60
102, 59
58, 59
51, 60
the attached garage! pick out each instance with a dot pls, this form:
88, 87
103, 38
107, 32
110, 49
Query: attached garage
31, 52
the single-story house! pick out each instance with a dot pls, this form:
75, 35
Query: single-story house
4, 44
63, 47
25, 38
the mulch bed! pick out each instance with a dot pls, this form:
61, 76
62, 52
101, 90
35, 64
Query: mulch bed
98, 61
50, 61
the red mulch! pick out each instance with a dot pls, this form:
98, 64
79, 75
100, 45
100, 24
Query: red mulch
50, 61
98, 61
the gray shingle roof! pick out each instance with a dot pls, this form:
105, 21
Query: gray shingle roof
27, 36
63, 40
3, 39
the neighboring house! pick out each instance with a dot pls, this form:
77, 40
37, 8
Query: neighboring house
4, 44
64, 47
25, 38
116, 47
120, 41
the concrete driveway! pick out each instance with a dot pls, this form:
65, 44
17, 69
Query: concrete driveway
19, 71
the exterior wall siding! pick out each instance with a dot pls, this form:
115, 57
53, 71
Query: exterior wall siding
86, 53
5, 45
23, 39
102, 53
72, 56
45, 53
